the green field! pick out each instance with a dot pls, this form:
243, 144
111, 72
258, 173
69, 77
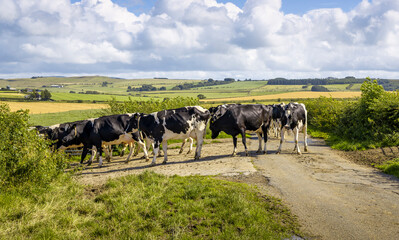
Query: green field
118, 88
48, 119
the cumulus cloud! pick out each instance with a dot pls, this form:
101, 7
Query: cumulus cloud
199, 37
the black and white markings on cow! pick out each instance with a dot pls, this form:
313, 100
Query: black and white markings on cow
96, 134
294, 118
235, 119
180, 123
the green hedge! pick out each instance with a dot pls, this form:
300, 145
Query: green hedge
149, 106
368, 122
25, 158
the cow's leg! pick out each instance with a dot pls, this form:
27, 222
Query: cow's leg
108, 152
144, 147
260, 142
199, 137
136, 148
305, 137
123, 149
131, 145
84, 153
182, 146
191, 144
235, 146
93, 154
165, 151
100, 162
156, 149
244, 141
296, 148
265, 131
282, 130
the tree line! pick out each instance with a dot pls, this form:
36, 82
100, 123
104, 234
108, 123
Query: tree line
184, 86
327, 81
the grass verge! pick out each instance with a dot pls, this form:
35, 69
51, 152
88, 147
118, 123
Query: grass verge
390, 167
145, 206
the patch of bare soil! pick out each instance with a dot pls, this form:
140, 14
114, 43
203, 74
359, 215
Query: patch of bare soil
371, 156
215, 160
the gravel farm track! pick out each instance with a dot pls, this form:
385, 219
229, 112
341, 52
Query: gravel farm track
332, 193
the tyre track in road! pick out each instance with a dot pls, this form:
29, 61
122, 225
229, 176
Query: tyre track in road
332, 197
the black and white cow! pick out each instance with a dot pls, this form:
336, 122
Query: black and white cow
239, 119
178, 123
57, 132
295, 119
278, 111
98, 133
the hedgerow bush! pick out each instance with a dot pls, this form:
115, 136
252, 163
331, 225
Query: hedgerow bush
25, 158
369, 122
149, 106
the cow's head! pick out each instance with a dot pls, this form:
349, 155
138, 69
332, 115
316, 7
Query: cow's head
74, 132
215, 130
278, 110
288, 119
134, 123
68, 135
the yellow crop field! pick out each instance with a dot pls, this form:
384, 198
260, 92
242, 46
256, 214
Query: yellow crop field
290, 95
49, 107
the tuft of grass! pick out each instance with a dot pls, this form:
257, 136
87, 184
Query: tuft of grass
150, 206
390, 167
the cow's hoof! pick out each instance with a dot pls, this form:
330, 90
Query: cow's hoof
188, 152
299, 153
126, 162
181, 151
152, 164
89, 163
264, 152
306, 149
277, 152
164, 162
259, 151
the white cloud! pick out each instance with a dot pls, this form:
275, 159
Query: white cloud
199, 37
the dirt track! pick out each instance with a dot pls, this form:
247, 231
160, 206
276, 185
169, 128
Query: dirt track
333, 197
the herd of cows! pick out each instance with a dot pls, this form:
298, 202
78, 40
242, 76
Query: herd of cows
99, 134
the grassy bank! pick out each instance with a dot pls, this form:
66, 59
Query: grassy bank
145, 206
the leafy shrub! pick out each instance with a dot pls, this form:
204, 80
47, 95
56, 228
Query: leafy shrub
25, 157
149, 106
369, 122
323, 113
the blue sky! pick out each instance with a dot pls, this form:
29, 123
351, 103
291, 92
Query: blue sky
288, 6
258, 39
